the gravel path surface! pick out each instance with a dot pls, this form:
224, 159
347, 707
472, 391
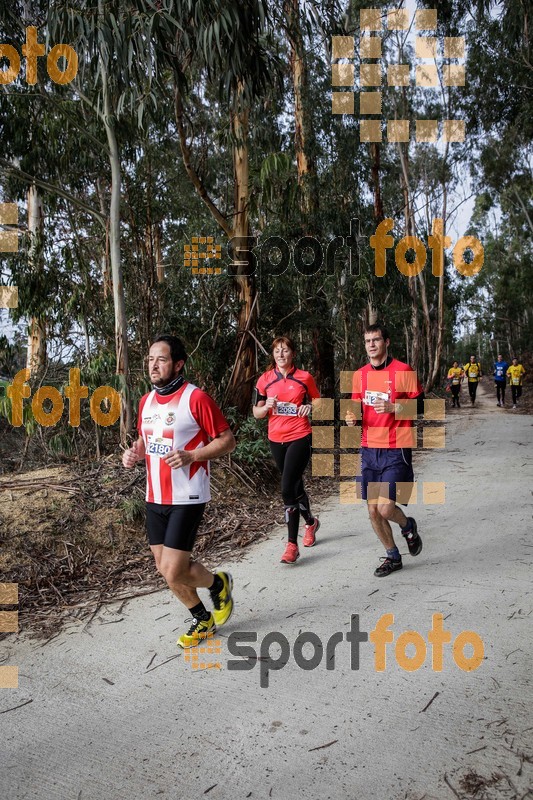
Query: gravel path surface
117, 712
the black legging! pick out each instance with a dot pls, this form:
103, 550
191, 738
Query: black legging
291, 459
500, 389
516, 392
456, 388
472, 389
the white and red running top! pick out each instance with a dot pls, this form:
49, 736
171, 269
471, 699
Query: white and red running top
184, 420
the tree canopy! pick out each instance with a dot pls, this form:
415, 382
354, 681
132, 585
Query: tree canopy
196, 119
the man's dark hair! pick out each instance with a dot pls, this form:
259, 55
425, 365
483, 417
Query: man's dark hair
377, 327
177, 348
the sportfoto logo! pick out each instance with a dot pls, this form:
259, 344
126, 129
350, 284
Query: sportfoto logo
274, 256
19, 389
33, 50
426, 74
380, 637
202, 248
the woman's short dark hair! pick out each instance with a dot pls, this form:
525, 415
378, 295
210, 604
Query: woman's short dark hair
177, 348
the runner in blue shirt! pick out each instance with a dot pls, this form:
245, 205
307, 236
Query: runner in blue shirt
500, 379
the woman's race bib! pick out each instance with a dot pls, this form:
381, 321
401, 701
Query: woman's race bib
516, 381
286, 409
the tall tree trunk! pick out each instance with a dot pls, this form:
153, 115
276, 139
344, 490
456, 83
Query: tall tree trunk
85, 327
524, 207
414, 355
158, 253
378, 202
440, 310
303, 131
240, 387
121, 338
104, 258
371, 311
241, 384
407, 348
427, 325
322, 333
323, 349
36, 354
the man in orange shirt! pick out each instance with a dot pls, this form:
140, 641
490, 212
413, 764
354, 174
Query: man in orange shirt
387, 439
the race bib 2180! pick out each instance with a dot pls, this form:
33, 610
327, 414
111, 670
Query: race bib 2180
158, 446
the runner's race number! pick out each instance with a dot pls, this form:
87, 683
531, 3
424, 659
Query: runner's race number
371, 397
286, 409
158, 446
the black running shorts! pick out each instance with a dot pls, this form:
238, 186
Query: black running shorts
174, 526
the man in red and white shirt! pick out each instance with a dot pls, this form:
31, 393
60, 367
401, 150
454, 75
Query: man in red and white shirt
388, 398
180, 430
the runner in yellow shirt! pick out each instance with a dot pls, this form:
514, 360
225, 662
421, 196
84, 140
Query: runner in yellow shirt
455, 378
474, 374
515, 373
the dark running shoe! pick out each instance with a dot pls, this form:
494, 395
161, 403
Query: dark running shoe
389, 565
414, 542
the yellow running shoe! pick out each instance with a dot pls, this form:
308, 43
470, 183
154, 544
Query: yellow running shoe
200, 629
223, 601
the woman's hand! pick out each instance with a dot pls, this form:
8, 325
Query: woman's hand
305, 410
271, 402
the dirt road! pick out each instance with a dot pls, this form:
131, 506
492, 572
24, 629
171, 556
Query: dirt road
116, 712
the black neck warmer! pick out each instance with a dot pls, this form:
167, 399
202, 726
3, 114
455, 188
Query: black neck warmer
171, 387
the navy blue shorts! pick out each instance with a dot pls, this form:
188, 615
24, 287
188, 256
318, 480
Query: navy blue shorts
386, 465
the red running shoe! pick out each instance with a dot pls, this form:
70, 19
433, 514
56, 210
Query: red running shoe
310, 533
291, 554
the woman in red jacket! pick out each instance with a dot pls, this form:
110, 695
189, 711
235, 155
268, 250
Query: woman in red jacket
284, 394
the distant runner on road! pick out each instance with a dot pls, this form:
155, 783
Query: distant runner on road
455, 377
515, 373
500, 379
180, 430
284, 394
387, 439
474, 374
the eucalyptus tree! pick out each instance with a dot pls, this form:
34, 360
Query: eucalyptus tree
223, 43
499, 108
113, 84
